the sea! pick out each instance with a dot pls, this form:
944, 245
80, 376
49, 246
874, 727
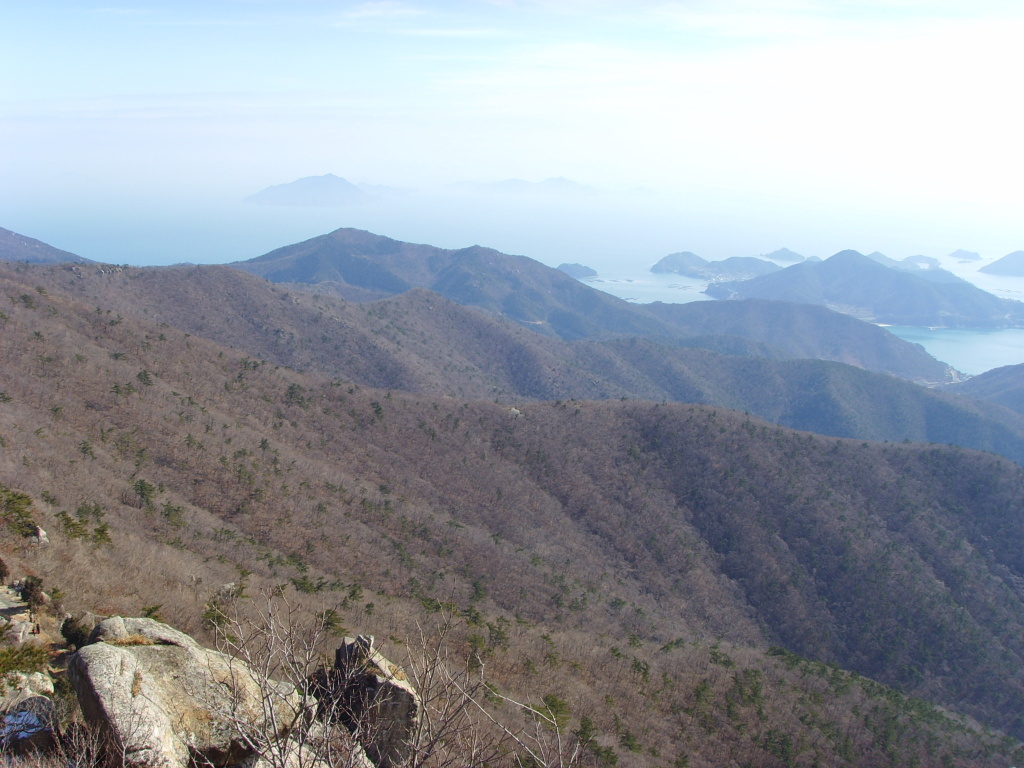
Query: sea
970, 352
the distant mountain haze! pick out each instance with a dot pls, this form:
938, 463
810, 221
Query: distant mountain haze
359, 265
676, 263
921, 262
311, 190
579, 271
961, 255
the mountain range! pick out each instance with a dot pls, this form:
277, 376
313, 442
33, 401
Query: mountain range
700, 585
703, 586
361, 266
858, 285
421, 342
767, 358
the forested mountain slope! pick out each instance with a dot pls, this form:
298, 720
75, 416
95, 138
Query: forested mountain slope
636, 559
357, 265
360, 265
805, 331
421, 342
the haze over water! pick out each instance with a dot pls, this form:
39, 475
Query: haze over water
722, 127
132, 131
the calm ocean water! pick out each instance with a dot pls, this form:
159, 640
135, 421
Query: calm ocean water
971, 352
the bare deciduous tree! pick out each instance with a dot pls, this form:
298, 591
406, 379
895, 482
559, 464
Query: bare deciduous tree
287, 651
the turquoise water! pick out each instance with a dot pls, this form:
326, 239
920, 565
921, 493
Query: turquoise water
971, 352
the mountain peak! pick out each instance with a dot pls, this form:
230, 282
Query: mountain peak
851, 259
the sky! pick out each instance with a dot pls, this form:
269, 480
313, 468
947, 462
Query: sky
131, 131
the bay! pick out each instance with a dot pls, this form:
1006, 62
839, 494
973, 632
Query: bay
971, 352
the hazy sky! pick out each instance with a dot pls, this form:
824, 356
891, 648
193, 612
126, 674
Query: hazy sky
727, 127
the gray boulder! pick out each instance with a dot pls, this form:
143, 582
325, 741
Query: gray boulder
161, 700
374, 700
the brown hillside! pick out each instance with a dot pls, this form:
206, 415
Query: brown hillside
635, 559
421, 342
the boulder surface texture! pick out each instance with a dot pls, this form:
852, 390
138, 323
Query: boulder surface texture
161, 700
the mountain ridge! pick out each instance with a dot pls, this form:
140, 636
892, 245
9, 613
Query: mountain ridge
1003, 386
15, 247
542, 298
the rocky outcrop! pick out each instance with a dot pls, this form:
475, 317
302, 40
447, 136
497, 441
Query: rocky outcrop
373, 698
16, 619
163, 701
320, 746
39, 537
26, 714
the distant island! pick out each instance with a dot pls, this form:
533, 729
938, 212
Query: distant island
690, 264
961, 255
311, 190
1011, 265
579, 271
